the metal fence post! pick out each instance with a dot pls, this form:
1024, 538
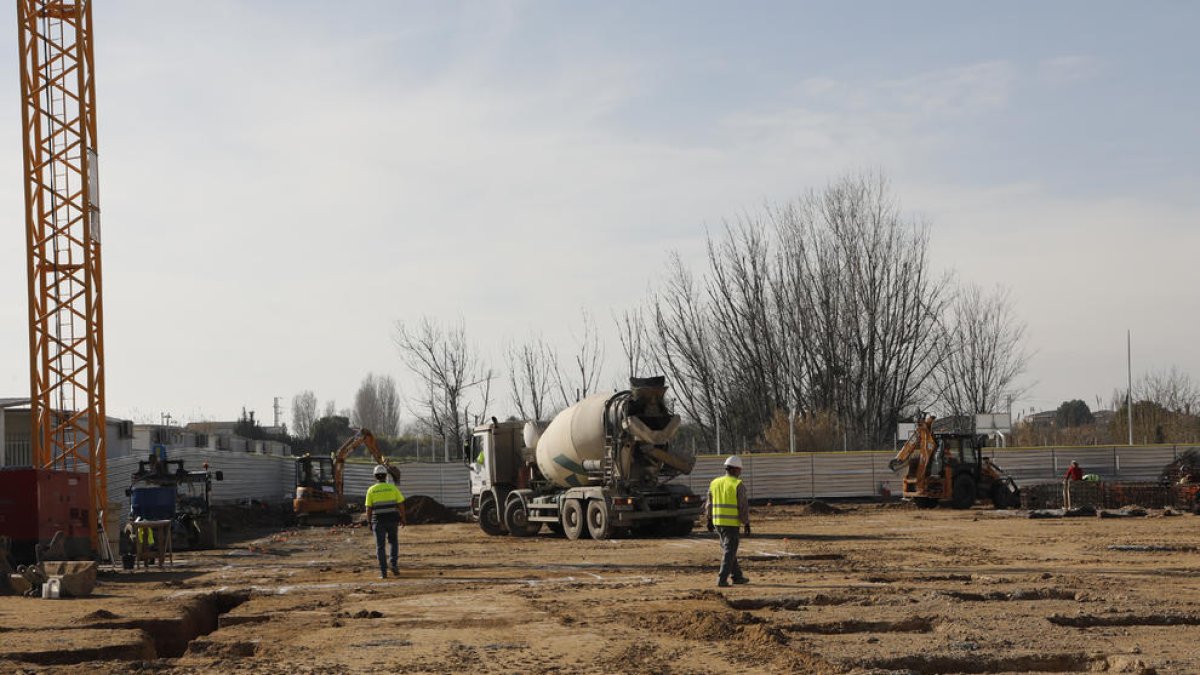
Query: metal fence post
812, 476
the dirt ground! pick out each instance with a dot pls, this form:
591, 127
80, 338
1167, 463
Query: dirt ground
848, 589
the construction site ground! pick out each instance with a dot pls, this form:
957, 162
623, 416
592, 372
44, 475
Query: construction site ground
835, 589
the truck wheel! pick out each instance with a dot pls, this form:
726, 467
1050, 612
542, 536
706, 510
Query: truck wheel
573, 521
598, 521
516, 518
964, 493
489, 517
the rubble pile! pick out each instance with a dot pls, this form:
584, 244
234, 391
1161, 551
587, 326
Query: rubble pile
422, 510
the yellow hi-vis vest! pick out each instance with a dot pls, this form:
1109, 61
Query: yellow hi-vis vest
384, 500
146, 534
723, 493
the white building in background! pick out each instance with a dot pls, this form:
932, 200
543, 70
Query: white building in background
208, 435
16, 446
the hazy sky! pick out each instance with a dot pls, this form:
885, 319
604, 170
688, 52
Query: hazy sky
283, 181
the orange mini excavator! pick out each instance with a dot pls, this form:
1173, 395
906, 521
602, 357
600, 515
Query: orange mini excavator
319, 481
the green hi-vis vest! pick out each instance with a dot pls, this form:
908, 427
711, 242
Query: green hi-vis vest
723, 493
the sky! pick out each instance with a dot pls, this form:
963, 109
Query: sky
282, 182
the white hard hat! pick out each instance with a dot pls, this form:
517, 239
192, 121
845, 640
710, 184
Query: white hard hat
380, 470
734, 461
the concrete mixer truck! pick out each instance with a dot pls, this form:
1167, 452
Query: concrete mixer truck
601, 467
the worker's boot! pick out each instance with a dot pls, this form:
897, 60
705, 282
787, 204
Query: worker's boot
395, 570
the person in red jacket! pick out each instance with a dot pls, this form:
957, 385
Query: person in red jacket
1073, 473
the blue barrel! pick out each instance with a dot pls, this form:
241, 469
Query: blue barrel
152, 503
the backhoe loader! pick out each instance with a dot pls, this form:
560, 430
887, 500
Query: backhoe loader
950, 466
320, 497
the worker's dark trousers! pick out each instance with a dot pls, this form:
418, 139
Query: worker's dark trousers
730, 538
386, 533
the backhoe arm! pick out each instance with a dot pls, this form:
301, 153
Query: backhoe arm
360, 437
920, 441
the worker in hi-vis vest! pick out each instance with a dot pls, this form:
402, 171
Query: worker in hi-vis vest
385, 513
726, 510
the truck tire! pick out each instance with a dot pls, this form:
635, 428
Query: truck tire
599, 521
516, 518
489, 517
574, 520
965, 491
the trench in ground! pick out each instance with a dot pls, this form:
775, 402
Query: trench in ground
929, 664
199, 616
1091, 621
912, 624
1010, 596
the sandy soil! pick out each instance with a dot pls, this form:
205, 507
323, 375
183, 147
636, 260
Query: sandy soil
865, 589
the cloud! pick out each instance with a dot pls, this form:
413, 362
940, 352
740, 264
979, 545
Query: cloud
1068, 68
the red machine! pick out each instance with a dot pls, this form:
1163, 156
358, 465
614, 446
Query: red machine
37, 503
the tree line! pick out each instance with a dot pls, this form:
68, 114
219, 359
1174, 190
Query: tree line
816, 324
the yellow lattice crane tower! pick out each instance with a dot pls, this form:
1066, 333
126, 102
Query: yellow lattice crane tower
62, 224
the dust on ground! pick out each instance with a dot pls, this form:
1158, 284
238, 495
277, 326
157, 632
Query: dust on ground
859, 589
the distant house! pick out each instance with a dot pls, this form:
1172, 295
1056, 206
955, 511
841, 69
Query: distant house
223, 436
16, 445
964, 424
1044, 418
1104, 417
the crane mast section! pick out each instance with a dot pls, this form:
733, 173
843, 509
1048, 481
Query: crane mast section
62, 225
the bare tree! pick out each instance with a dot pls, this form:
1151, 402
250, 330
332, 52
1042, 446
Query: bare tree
532, 376
1171, 389
867, 304
366, 404
304, 413
387, 396
684, 348
983, 353
826, 305
586, 363
330, 408
448, 369
377, 405
635, 342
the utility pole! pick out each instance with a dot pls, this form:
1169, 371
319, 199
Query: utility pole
1129, 391
792, 429
278, 410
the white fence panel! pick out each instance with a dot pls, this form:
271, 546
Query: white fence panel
794, 476
449, 484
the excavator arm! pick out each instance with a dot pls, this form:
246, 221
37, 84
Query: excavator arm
361, 437
921, 441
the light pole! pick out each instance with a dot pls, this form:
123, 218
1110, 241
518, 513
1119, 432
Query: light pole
1129, 391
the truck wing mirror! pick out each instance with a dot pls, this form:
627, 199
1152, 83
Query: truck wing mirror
128, 492
220, 475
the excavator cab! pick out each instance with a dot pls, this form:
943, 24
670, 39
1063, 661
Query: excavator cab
316, 494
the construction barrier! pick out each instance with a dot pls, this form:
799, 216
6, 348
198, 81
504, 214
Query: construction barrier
1109, 495
815, 475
